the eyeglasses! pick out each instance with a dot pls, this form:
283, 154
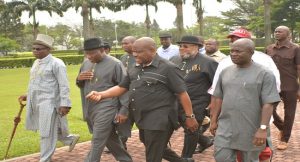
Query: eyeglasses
38, 49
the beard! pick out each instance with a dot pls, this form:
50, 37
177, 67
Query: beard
186, 56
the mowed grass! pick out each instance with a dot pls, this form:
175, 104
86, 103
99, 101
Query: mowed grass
13, 83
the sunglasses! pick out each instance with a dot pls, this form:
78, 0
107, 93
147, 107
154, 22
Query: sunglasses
38, 49
186, 46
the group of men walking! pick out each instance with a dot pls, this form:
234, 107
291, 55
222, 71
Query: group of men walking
162, 89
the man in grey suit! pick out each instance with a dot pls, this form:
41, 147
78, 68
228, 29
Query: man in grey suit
48, 99
100, 72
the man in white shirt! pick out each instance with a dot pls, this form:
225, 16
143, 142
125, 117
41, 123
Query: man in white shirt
167, 50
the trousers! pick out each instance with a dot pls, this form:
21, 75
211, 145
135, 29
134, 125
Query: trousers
229, 155
156, 142
48, 144
285, 125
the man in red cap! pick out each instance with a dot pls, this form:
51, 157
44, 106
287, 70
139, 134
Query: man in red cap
258, 57
239, 33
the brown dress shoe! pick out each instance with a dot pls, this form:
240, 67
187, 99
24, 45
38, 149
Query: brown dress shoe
282, 145
280, 134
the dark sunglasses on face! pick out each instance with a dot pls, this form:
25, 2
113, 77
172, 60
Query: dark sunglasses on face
186, 46
38, 49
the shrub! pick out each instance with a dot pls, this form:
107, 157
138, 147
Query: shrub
226, 50
28, 61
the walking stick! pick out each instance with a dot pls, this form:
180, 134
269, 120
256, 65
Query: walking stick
16, 121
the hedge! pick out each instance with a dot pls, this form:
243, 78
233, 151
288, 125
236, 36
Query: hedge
68, 59
226, 51
57, 53
28, 61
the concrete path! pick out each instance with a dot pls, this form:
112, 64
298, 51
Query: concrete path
136, 149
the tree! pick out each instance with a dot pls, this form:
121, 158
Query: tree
286, 12
7, 45
64, 36
105, 29
32, 6
86, 12
199, 12
179, 18
247, 13
267, 21
213, 27
127, 3
10, 23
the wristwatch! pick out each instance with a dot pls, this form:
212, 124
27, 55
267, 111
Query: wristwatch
263, 127
192, 116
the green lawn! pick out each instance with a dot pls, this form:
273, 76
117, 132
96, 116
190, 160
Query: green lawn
13, 83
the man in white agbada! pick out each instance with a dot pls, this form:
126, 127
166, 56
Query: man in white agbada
48, 100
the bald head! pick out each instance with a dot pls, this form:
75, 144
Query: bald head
282, 33
130, 39
241, 52
285, 28
144, 50
127, 43
245, 43
146, 42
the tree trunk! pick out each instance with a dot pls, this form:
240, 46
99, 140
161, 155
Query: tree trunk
267, 15
147, 21
34, 25
91, 27
179, 19
200, 18
85, 20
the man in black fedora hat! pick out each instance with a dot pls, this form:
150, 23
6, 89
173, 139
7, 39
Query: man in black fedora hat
198, 71
167, 50
100, 72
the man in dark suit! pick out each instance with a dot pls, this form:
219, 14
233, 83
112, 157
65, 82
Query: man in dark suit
198, 71
101, 72
154, 84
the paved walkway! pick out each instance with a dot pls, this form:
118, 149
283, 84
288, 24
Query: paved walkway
136, 149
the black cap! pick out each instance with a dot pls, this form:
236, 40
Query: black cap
92, 43
165, 35
189, 39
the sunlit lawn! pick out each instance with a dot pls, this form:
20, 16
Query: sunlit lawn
13, 83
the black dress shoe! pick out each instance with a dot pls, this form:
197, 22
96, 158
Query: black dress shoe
201, 148
106, 151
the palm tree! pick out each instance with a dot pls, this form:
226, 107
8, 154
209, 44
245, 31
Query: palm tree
127, 3
199, 12
267, 21
86, 12
18, 6
179, 18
